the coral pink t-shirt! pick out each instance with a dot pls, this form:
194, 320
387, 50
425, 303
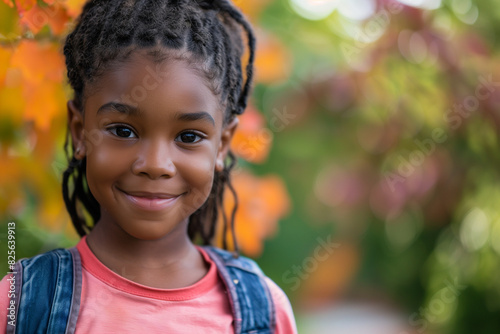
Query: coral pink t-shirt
113, 304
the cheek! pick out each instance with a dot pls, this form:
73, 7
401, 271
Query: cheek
199, 174
105, 164
198, 170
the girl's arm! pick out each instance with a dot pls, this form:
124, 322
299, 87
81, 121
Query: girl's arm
4, 303
285, 321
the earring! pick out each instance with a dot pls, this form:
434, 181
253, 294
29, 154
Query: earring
77, 153
220, 165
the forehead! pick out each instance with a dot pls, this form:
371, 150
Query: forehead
142, 82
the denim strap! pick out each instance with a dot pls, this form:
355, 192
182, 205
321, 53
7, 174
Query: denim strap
77, 291
47, 293
250, 298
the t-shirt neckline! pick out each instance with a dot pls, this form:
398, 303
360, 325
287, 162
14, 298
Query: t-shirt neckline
95, 267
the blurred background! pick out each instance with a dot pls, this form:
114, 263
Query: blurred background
368, 170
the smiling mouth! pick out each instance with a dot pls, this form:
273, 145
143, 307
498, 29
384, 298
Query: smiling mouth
150, 201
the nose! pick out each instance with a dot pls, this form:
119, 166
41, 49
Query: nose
154, 160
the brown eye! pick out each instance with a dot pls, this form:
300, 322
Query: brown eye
122, 132
189, 137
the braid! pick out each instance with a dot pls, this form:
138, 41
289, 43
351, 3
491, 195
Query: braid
238, 17
203, 32
77, 171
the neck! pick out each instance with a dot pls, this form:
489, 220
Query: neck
169, 262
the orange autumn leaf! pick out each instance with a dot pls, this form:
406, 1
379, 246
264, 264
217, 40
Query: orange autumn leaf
74, 7
10, 169
41, 68
273, 61
37, 17
328, 270
38, 62
5, 55
253, 8
24, 5
262, 201
9, 3
43, 103
11, 194
44, 146
251, 140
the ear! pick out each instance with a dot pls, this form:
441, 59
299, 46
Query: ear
75, 122
227, 135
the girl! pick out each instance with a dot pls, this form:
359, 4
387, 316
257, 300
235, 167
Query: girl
157, 87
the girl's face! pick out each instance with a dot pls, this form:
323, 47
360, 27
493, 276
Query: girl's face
153, 136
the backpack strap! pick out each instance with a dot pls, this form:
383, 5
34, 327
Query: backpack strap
250, 298
49, 299
77, 291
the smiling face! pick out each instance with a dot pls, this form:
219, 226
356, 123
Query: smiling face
152, 140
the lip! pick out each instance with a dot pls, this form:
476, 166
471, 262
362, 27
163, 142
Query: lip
150, 201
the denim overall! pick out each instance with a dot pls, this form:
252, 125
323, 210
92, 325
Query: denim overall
51, 284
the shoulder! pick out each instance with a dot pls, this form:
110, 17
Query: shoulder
41, 272
46, 266
54, 256
35, 272
285, 320
6, 289
220, 256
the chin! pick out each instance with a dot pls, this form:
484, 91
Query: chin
148, 234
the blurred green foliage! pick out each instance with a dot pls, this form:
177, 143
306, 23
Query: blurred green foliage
423, 213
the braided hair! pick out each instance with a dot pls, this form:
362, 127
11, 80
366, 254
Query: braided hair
208, 32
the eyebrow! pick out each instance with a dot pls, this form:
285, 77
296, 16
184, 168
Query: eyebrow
118, 107
131, 110
194, 116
